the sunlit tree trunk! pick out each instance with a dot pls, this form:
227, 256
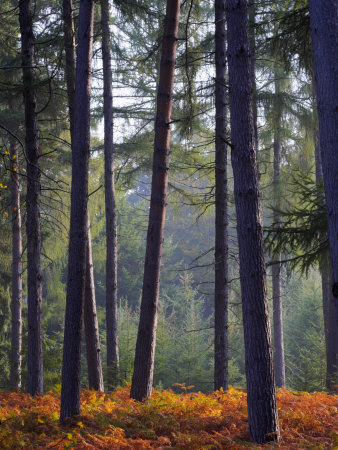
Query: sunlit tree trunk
146, 338
70, 390
277, 296
262, 411
221, 204
95, 377
324, 32
111, 227
34, 277
16, 303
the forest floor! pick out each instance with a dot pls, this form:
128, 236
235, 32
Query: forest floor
168, 420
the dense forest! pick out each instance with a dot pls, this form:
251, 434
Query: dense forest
169, 218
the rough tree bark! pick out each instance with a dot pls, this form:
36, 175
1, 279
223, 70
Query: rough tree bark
111, 227
277, 298
70, 390
221, 204
34, 278
70, 58
330, 323
262, 411
146, 338
324, 34
16, 303
95, 377
252, 46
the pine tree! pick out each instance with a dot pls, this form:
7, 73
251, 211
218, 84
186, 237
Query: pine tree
262, 411
221, 204
70, 392
324, 29
146, 339
111, 226
34, 281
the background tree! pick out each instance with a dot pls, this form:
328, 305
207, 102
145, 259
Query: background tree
34, 277
111, 226
221, 204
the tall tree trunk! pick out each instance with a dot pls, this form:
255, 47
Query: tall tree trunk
330, 323
90, 317
70, 60
252, 44
34, 278
146, 339
277, 298
221, 205
70, 391
16, 303
324, 32
111, 227
262, 411
95, 377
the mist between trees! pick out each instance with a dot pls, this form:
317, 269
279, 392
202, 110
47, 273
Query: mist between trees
176, 131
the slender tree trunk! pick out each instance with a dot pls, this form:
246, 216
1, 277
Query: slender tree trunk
70, 60
221, 205
70, 391
16, 304
34, 278
330, 323
90, 317
324, 32
111, 227
262, 411
277, 296
146, 339
95, 377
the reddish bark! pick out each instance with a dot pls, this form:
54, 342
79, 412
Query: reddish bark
146, 338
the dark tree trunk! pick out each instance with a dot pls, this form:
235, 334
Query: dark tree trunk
95, 377
277, 298
262, 411
70, 391
16, 308
34, 278
324, 32
70, 58
146, 339
111, 227
330, 323
90, 317
252, 44
221, 204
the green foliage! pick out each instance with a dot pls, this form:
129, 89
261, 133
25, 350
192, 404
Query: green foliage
292, 39
304, 335
301, 230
